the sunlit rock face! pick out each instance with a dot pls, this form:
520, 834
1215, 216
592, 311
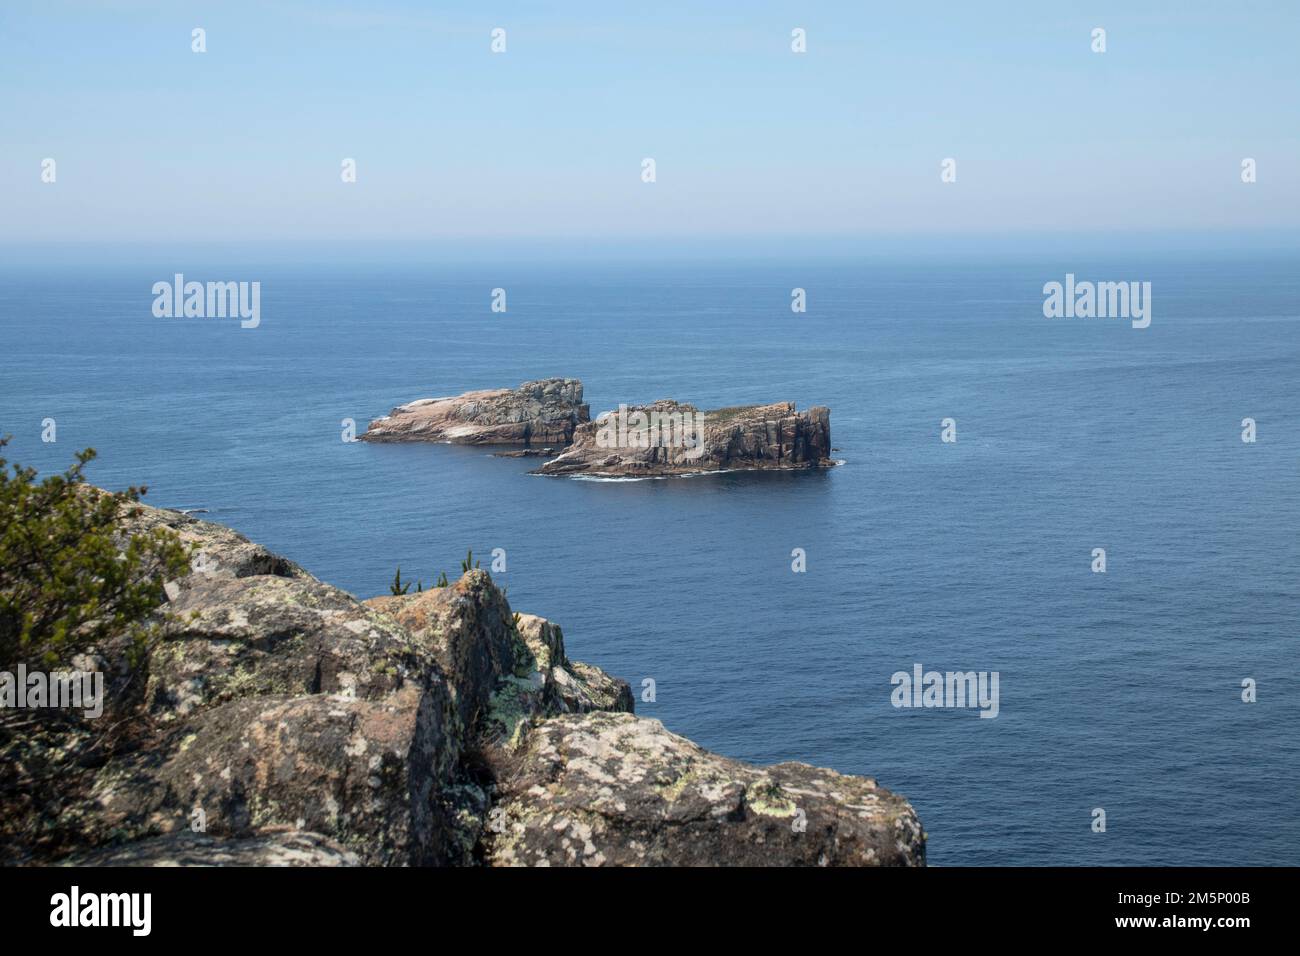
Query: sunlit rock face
673, 438
538, 413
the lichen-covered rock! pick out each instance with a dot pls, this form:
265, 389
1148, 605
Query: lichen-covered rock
228, 638
673, 438
218, 551
608, 789
278, 702
296, 725
291, 848
374, 775
467, 628
504, 669
565, 686
543, 683
536, 413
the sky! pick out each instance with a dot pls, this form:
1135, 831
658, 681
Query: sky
156, 143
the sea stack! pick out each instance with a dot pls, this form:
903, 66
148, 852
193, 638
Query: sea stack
544, 412
674, 438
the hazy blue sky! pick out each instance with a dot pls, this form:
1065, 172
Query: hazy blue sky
156, 142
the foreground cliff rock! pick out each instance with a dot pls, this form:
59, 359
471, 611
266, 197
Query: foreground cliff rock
536, 413
613, 789
673, 438
279, 721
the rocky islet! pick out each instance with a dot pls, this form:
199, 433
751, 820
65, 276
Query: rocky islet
549, 419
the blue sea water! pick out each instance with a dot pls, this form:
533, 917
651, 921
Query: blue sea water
1119, 690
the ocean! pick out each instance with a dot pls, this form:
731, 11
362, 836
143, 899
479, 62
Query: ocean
1119, 691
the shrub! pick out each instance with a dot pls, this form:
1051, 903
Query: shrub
399, 586
67, 581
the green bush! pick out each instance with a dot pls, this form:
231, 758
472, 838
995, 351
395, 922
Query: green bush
67, 581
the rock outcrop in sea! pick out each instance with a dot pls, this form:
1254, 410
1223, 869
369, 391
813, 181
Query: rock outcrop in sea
673, 438
278, 720
544, 412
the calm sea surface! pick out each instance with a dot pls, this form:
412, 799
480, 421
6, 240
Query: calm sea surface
1119, 690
